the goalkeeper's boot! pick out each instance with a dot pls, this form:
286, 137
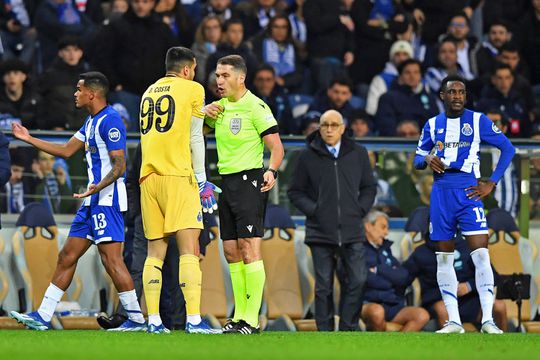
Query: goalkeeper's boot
489, 327
230, 327
245, 329
201, 328
451, 327
130, 326
158, 329
32, 320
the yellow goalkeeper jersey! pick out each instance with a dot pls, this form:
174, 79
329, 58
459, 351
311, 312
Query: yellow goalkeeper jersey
165, 124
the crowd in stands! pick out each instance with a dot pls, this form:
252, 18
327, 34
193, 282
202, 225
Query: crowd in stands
377, 62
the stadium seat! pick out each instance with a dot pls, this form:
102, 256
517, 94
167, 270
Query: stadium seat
214, 301
512, 253
299, 104
6, 285
35, 250
283, 294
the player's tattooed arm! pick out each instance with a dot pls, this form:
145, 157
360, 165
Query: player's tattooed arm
118, 164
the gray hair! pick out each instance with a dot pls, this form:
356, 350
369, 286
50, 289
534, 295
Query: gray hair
373, 215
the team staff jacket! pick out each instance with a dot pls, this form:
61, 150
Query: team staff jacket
386, 285
334, 193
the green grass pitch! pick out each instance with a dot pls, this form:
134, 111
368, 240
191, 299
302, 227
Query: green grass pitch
20, 344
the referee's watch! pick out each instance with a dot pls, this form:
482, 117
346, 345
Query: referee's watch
274, 172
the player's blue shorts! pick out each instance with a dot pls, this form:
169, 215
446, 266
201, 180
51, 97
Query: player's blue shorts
450, 207
98, 224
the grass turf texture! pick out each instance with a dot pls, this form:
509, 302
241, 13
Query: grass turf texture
95, 345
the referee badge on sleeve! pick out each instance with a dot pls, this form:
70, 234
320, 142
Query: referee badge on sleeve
235, 125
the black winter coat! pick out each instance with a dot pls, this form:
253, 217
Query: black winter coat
334, 193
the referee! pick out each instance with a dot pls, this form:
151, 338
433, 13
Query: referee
243, 124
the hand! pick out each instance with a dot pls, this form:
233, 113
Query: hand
468, 11
347, 22
480, 191
269, 181
463, 289
373, 269
419, 16
374, 22
208, 200
399, 18
20, 132
435, 163
280, 81
13, 26
60, 175
36, 169
213, 110
348, 58
119, 87
90, 191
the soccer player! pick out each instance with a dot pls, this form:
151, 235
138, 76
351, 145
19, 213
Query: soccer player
99, 220
243, 124
456, 135
172, 175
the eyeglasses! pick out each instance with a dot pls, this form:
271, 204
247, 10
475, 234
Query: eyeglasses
458, 25
332, 126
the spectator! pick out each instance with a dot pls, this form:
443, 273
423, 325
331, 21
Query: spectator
119, 8
509, 11
399, 52
407, 99
459, 30
122, 111
221, 8
275, 46
330, 42
310, 123
15, 192
233, 44
55, 19
207, 38
413, 35
422, 264
530, 43
385, 199
256, 14
173, 14
447, 64
18, 101
386, 282
502, 95
298, 23
336, 97
5, 172
50, 185
266, 87
376, 25
130, 52
333, 186
57, 86
509, 55
361, 124
486, 55
17, 32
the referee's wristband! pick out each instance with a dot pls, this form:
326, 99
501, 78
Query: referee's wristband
274, 172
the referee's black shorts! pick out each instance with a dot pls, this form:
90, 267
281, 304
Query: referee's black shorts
242, 205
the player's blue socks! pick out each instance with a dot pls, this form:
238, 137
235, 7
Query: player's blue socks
484, 282
448, 284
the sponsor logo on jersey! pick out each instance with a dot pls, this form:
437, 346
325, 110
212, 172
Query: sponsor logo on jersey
466, 129
235, 125
440, 131
114, 135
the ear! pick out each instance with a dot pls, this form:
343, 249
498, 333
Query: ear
441, 95
242, 77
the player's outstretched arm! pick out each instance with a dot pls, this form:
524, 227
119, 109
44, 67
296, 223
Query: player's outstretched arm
118, 162
63, 150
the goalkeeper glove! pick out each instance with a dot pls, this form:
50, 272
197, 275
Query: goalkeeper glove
208, 200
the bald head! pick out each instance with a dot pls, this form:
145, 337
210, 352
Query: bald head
331, 127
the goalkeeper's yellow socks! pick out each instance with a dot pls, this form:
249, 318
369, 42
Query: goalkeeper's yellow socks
255, 277
238, 280
190, 282
152, 288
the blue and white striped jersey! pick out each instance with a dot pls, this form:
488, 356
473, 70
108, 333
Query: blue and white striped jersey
102, 133
457, 144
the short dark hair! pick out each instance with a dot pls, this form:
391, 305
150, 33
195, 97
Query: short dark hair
236, 61
504, 119
17, 158
499, 22
178, 57
342, 80
359, 114
463, 15
408, 62
96, 81
451, 78
265, 67
232, 21
69, 40
509, 47
502, 66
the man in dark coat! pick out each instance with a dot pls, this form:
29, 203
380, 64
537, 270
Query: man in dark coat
333, 186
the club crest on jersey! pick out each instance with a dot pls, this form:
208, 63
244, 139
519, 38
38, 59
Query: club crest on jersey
235, 125
440, 145
114, 135
496, 130
466, 129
